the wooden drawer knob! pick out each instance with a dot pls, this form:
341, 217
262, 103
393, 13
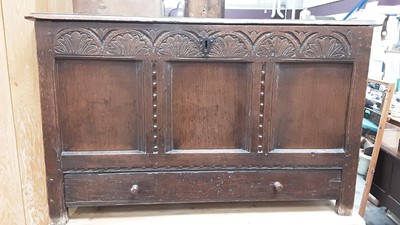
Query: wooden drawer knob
278, 186
135, 189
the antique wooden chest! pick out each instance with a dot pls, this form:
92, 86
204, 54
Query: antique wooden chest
155, 111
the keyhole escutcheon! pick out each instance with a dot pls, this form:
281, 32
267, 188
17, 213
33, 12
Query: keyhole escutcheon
206, 44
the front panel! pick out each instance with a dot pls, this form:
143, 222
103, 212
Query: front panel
209, 104
310, 107
99, 104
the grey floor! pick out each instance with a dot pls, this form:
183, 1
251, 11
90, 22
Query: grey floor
373, 215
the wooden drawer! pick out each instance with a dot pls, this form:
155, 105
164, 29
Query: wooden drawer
201, 186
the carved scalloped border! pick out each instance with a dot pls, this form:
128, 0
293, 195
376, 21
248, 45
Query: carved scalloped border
127, 42
230, 44
186, 44
276, 44
170, 168
77, 42
320, 45
177, 44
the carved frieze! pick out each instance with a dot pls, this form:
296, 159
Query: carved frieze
190, 44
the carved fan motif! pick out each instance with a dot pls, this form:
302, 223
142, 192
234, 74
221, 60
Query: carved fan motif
285, 44
276, 46
76, 42
178, 45
228, 46
128, 44
325, 47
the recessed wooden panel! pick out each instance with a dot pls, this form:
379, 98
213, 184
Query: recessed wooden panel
310, 105
99, 105
395, 183
208, 105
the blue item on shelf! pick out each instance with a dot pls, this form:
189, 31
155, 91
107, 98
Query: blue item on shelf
368, 124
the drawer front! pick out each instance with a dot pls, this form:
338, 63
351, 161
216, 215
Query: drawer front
200, 186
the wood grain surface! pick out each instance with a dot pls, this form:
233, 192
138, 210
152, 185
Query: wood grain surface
311, 105
101, 104
209, 106
201, 186
21, 155
11, 202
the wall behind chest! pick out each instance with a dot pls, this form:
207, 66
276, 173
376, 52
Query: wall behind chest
23, 198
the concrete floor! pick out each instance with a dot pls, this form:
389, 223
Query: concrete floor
283, 213
373, 215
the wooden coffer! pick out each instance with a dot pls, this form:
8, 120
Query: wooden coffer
155, 111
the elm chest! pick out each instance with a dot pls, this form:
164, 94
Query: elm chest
155, 111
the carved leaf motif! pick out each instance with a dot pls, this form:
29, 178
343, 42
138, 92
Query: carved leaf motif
178, 45
152, 33
301, 35
228, 46
276, 46
325, 47
76, 43
252, 34
128, 44
204, 33
100, 32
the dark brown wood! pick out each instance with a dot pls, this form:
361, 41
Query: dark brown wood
361, 42
310, 112
206, 112
96, 160
395, 184
186, 186
176, 104
51, 130
386, 182
101, 106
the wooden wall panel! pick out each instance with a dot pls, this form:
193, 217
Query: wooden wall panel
23, 74
59, 6
149, 8
23, 198
11, 203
